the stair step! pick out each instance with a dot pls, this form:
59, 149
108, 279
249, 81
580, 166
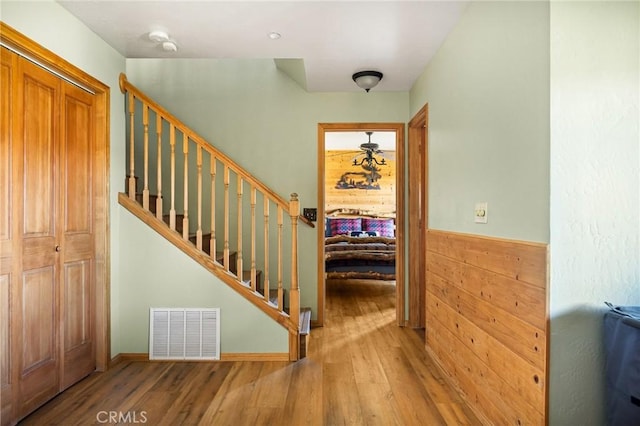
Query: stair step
152, 201
305, 321
305, 330
179, 217
206, 242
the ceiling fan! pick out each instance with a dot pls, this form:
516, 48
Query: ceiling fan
368, 160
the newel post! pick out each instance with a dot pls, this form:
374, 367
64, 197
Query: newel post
294, 295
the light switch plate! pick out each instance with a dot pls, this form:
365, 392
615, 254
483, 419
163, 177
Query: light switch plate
310, 213
481, 213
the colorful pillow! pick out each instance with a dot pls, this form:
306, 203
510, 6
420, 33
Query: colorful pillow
384, 227
341, 225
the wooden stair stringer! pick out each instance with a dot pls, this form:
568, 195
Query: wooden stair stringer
206, 261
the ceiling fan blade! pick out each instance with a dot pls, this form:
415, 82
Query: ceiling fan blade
387, 155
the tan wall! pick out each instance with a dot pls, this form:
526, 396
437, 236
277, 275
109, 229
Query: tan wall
379, 201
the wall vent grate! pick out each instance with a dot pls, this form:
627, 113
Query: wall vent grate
184, 334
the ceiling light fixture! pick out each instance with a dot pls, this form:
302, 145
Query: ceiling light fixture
274, 35
367, 79
369, 149
158, 36
169, 46
162, 37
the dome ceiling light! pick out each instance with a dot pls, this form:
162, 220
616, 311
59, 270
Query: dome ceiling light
367, 79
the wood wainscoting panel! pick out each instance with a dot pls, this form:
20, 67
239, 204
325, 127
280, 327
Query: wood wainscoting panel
487, 323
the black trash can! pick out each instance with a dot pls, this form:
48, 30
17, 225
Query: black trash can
622, 350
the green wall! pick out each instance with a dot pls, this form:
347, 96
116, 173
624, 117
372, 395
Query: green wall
488, 94
158, 275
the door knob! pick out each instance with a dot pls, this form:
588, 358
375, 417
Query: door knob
58, 248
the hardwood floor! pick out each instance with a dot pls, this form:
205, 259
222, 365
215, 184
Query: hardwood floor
361, 370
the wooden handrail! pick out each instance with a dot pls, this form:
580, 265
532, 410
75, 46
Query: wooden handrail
127, 87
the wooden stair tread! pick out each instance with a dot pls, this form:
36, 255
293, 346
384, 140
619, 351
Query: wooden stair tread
305, 321
305, 331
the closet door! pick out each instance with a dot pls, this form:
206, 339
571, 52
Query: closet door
35, 295
77, 254
7, 68
48, 145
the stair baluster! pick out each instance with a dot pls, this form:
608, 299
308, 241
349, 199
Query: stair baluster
225, 258
199, 167
253, 238
185, 207
172, 211
159, 166
132, 162
145, 188
266, 250
280, 292
212, 241
239, 267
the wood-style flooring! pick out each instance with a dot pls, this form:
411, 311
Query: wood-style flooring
361, 369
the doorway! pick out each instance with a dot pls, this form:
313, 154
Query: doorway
398, 129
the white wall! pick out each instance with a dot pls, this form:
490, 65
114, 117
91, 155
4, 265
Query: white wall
50, 25
488, 94
265, 121
595, 193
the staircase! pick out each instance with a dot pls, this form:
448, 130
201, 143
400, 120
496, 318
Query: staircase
238, 241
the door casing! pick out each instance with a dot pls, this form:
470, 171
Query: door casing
417, 223
398, 128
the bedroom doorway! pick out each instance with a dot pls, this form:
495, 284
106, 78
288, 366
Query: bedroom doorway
355, 177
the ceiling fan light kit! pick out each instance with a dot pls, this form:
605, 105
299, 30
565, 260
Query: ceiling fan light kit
369, 149
367, 79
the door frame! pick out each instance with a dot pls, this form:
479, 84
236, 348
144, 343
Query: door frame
417, 241
22, 44
398, 128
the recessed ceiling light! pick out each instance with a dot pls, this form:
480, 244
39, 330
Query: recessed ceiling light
274, 35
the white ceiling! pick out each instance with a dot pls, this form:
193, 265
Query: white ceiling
333, 39
351, 140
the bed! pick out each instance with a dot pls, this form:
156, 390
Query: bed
360, 247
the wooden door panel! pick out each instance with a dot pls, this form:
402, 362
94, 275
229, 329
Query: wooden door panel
39, 335
38, 318
77, 291
78, 248
79, 349
77, 153
5, 328
6, 82
40, 129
